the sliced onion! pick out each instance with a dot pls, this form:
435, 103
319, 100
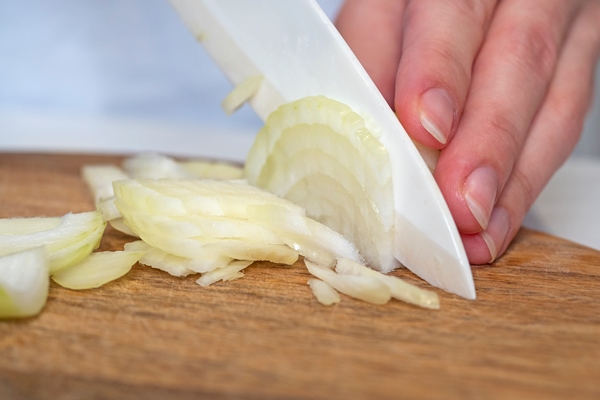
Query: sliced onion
227, 273
315, 241
365, 288
99, 179
97, 269
73, 239
241, 93
23, 283
174, 265
324, 293
399, 289
318, 153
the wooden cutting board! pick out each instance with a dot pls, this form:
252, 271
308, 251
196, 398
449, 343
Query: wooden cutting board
532, 333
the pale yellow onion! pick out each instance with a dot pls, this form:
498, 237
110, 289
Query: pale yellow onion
319, 153
399, 289
97, 269
23, 283
365, 288
241, 93
313, 240
174, 265
99, 179
323, 292
232, 270
73, 239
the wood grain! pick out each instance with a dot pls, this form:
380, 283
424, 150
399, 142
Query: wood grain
533, 332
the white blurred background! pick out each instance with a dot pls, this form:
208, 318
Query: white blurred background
126, 76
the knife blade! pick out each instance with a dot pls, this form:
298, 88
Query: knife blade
298, 51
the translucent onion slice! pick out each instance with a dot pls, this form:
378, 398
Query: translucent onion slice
97, 269
73, 239
318, 153
365, 288
227, 273
99, 179
399, 289
24, 226
23, 283
324, 293
313, 240
241, 93
172, 264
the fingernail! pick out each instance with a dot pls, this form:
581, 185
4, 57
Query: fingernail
480, 194
437, 113
497, 231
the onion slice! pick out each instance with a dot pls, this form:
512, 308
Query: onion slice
23, 283
399, 289
365, 288
227, 273
324, 293
97, 269
241, 93
67, 243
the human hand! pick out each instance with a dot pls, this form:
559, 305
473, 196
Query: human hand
501, 87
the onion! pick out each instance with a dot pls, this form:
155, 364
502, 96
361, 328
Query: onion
324, 293
67, 243
97, 269
365, 288
175, 265
23, 283
230, 272
318, 153
398, 288
241, 93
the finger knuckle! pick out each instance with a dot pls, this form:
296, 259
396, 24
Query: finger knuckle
505, 131
534, 48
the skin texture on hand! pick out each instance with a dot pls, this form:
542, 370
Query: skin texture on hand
501, 87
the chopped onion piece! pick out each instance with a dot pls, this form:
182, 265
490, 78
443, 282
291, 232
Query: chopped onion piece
229, 272
240, 94
313, 240
174, 265
99, 179
324, 293
71, 241
97, 269
365, 288
24, 226
399, 289
23, 283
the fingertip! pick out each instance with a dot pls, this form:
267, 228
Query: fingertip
486, 246
437, 111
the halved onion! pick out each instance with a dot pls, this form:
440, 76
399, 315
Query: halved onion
97, 269
318, 153
23, 283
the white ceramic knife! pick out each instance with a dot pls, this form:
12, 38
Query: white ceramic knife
294, 46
